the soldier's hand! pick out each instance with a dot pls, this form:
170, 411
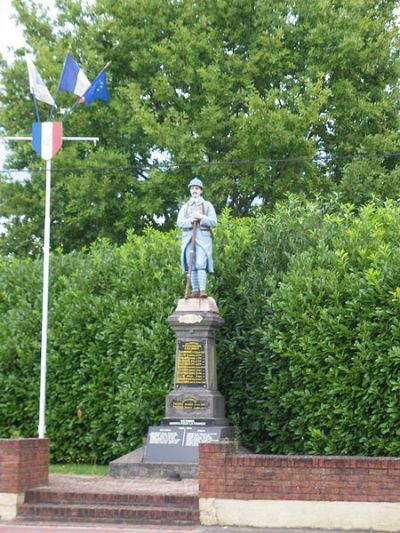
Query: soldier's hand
196, 217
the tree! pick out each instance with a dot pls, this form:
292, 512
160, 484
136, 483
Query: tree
210, 86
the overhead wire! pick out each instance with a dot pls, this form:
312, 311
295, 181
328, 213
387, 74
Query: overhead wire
321, 157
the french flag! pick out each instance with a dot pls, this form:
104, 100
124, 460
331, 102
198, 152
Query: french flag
73, 79
46, 138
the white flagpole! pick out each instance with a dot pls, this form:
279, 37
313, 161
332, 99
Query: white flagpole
45, 300
45, 304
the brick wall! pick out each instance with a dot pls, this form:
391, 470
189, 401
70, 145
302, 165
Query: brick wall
24, 464
223, 473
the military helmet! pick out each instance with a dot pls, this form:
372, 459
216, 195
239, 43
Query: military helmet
195, 183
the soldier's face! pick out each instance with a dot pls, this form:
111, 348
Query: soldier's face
195, 191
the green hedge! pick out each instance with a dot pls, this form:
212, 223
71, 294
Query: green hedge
111, 351
308, 357
315, 361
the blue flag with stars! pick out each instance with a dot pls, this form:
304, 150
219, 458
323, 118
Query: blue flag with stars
98, 90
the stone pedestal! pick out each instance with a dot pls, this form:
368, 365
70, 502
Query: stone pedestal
194, 409
195, 395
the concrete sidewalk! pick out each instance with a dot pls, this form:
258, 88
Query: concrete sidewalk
107, 528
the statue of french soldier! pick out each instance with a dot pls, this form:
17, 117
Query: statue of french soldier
197, 217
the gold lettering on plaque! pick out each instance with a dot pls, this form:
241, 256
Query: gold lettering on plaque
191, 364
189, 404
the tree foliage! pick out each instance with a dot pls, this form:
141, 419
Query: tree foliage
292, 84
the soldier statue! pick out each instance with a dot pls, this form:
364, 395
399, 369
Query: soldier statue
197, 218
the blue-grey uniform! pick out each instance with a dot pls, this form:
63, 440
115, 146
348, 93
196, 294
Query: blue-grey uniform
203, 259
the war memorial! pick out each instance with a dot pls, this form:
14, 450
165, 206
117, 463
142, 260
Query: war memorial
194, 409
157, 483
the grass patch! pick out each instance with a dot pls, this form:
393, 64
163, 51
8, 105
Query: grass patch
70, 468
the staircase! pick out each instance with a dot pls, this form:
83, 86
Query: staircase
83, 505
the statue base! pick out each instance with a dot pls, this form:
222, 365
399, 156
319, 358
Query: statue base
195, 409
133, 465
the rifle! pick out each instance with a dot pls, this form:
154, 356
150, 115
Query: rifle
189, 273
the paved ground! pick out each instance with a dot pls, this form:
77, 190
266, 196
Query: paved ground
105, 484
147, 529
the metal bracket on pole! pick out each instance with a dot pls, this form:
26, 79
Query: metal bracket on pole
94, 140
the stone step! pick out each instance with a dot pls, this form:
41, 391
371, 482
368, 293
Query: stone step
45, 495
129, 514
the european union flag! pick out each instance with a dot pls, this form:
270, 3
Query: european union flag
98, 90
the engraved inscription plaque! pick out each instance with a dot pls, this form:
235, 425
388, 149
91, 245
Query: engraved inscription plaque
179, 444
189, 404
191, 364
164, 436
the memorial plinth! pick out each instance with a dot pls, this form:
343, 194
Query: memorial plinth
195, 395
194, 409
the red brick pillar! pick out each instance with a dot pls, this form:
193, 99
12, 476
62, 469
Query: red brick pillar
24, 464
212, 467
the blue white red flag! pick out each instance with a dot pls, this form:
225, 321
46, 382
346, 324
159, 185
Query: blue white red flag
73, 79
46, 138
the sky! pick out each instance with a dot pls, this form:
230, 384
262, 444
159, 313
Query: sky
11, 36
